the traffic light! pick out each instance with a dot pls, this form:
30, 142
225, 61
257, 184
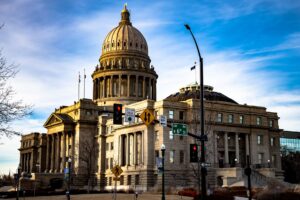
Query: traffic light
193, 153
117, 118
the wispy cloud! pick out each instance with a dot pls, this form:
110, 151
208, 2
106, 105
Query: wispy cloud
51, 52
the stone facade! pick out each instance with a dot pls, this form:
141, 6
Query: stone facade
84, 132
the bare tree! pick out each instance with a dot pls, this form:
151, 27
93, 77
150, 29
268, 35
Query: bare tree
209, 152
87, 156
10, 109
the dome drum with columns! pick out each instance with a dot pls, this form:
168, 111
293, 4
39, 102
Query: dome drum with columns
124, 74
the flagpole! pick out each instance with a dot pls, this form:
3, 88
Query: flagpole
195, 73
84, 76
78, 86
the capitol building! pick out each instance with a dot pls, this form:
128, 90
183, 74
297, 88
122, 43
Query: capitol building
84, 133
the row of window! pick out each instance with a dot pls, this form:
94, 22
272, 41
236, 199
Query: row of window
261, 142
230, 119
260, 159
172, 156
129, 180
124, 44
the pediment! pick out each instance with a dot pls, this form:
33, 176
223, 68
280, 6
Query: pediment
53, 119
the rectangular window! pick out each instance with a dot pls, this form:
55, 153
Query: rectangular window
172, 156
230, 118
271, 123
107, 146
219, 117
112, 146
181, 113
274, 160
129, 180
260, 158
241, 119
171, 136
137, 180
122, 180
259, 139
171, 114
106, 163
111, 163
272, 142
109, 181
181, 156
258, 121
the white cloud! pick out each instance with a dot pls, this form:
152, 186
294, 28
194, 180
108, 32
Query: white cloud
50, 56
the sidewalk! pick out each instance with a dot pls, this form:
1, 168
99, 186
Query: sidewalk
107, 196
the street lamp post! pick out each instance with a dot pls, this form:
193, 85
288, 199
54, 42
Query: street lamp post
163, 149
18, 181
203, 169
69, 178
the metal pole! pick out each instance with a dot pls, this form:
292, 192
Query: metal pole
18, 183
69, 180
163, 174
203, 169
249, 177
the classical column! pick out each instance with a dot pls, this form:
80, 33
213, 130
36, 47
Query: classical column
237, 149
58, 149
247, 144
216, 160
104, 87
111, 86
128, 149
142, 148
226, 149
63, 151
150, 88
144, 87
100, 92
73, 148
52, 153
48, 154
120, 80
154, 86
25, 163
94, 89
128, 85
134, 149
136, 86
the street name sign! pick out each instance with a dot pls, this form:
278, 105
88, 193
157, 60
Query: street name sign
179, 129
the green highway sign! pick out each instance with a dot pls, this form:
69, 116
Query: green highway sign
179, 129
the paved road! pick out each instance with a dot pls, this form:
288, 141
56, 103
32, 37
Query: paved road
108, 197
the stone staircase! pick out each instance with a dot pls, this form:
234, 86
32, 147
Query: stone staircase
211, 177
260, 180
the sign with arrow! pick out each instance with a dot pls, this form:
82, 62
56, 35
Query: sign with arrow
179, 129
147, 117
117, 170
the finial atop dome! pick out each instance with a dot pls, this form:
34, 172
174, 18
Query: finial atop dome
125, 16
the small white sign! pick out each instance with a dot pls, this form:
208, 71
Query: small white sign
129, 115
163, 120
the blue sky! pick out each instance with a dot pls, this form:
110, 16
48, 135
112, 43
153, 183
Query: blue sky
251, 51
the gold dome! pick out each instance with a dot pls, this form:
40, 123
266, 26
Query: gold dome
124, 74
124, 37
